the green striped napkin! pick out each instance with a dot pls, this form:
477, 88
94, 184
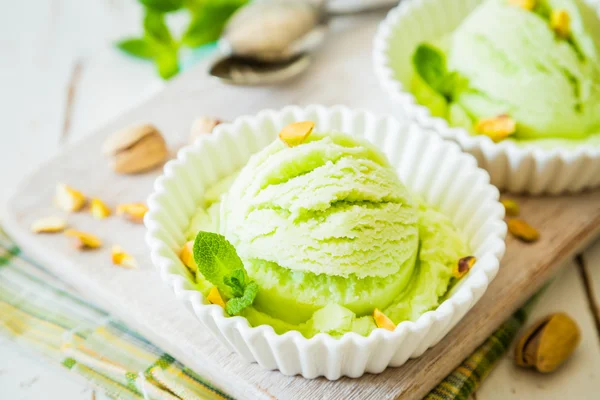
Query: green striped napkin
39, 311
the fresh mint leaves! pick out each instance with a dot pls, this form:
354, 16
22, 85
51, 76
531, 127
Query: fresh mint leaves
155, 28
208, 22
220, 264
137, 47
207, 19
236, 304
430, 63
163, 5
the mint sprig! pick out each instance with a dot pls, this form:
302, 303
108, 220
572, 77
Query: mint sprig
430, 63
207, 20
236, 304
163, 5
220, 264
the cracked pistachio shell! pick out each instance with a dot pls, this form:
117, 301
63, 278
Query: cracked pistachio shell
548, 343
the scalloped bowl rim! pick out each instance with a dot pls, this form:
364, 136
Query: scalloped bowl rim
478, 278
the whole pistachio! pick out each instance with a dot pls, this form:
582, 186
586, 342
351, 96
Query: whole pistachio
203, 126
548, 343
135, 149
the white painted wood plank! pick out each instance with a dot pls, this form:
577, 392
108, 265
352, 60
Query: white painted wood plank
39, 57
578, 378
26, 377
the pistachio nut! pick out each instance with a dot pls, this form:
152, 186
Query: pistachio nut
511, 207
560, 22
296, 133
463, 266
496, 128
135, 149
383, 321
548, 343
522, 230
203, 126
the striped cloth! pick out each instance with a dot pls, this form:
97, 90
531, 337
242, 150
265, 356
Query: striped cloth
40, 312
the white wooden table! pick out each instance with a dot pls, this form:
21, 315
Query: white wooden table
60, 78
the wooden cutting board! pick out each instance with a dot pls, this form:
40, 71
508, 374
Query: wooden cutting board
342, 73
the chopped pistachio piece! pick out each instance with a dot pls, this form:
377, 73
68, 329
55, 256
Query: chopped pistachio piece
382, 321
99, 209
83, 240
512, 207
560, 22
522, 230
463, 266
69, 199
214, 297
122, 259
496, 128
133, 211
48, 225
296, 133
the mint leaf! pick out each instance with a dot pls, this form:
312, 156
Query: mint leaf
156, 28
136, 47
450, 84
164, 47
208, 22
166, 63
430, 64
163, 5
216, 259
219, 263
235, 305
237, 282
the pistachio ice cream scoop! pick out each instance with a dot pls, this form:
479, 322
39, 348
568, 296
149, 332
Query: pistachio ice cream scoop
536, 62
329, 234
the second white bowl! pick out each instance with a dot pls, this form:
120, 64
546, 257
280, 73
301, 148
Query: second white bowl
435, 169
514, 168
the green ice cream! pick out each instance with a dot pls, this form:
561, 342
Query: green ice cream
329, 233
509, 60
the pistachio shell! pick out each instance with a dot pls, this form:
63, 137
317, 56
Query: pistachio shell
126, 137
548, 343
135, 149
203, 126
146, 154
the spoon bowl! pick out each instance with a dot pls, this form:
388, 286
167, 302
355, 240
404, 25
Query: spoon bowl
273, 30
248, 72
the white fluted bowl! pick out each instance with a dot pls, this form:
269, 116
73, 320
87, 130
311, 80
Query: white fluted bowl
437, 170
515, 168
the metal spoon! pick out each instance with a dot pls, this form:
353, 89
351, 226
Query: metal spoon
270, 41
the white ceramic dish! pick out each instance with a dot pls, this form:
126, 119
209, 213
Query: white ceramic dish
436, 169
512, 167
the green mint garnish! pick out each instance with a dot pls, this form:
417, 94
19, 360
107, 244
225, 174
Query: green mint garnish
159, 44
163, 5
430, 63
220, 264
236, 304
